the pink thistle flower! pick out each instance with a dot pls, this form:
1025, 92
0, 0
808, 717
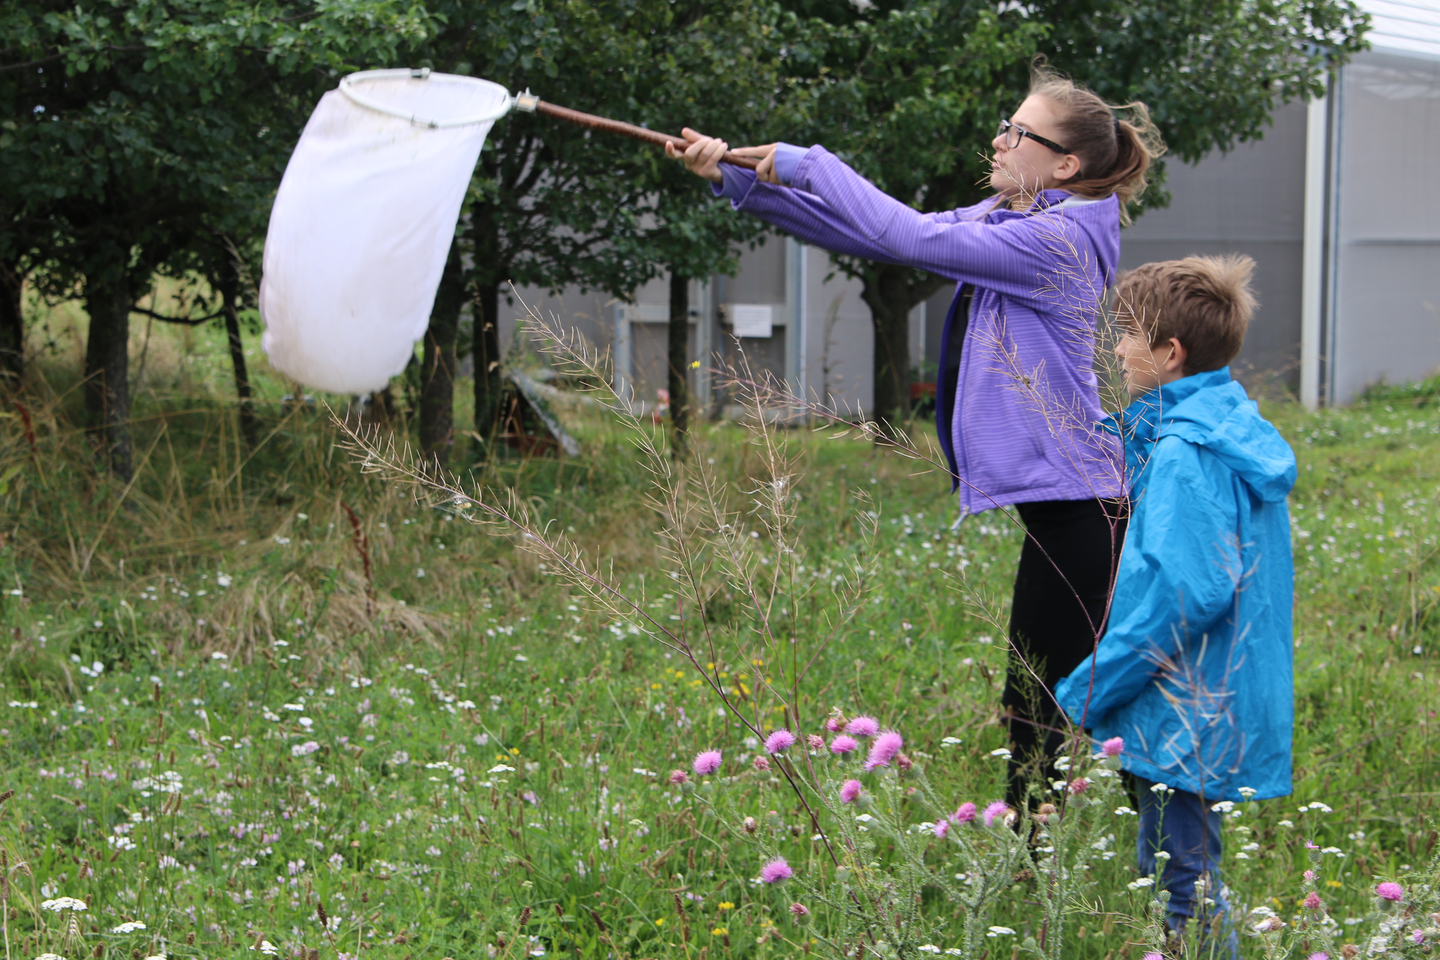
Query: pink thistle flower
706, 762
835, 722
779, 742
903, 762
998, 809
1153, 956
1113, 747
776, 870
1311, 845
761, 763
965, 813
1312, 901
1318, 956
1310, 876
843, 745
1418, 936
799, 911
883, 750
862, 727
815, 742
679, 776
1078, 786
850, 791
1389, 890
941, 828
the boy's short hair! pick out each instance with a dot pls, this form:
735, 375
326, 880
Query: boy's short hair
1204, 302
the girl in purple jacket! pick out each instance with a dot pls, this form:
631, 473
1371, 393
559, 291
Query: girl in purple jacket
1018, 397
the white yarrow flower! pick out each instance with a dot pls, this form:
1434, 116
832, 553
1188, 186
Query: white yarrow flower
1000, 932
64, 903
129, 927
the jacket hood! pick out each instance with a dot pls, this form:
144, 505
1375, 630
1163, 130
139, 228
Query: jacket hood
1212, 411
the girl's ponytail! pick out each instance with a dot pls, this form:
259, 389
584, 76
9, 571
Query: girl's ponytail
1115, 144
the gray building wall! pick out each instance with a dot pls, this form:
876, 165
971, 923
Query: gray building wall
1384, 322
1249, 201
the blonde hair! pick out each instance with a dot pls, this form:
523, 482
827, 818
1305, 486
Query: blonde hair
1204, 302
1115, 151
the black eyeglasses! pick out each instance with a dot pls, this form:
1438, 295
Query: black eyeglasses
1014, 133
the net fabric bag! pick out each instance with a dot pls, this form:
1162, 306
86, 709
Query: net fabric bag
363, 221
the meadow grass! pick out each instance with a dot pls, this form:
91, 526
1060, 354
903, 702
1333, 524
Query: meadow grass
218, 725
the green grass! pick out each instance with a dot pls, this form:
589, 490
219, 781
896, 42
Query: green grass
420, 691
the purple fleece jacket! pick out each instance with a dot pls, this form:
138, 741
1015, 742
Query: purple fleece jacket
1026, 399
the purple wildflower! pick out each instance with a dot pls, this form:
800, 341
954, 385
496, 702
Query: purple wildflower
779, 741
941, 828
835, 722
776, 870
761, 763
1153, 956
1418, 936
679, 776
1389, 890
998, 809
1312, 901
843, 744
1318, 956
850, 791
883, 750
965, 813
707, 762
815, 742
1113, 747
1078, 786
799, 911
863, 727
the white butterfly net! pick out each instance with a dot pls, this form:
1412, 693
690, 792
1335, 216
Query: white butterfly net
363, 221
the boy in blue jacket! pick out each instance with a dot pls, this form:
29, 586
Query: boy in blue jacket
1194, 670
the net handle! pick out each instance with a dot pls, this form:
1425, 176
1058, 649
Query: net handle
525, 102
528, 102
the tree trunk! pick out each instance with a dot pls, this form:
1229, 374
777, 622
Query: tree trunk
486, 350
229, 295
437, 376
12, 326
107, 362
487, 360
679, 379
887, 293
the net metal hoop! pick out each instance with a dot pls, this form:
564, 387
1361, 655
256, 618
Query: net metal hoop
355, 96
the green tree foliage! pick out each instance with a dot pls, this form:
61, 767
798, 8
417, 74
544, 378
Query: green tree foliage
909, 91
140, 133
554, 205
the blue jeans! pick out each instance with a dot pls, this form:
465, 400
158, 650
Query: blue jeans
1180, 824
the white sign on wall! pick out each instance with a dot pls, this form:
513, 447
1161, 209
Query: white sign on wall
752, 319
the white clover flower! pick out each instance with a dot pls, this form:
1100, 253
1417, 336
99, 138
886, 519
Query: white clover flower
129, 927
1000, 932
64, 903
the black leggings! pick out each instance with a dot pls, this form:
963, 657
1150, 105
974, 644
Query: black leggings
1072, 548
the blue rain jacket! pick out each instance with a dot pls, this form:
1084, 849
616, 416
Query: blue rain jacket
1195, 669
